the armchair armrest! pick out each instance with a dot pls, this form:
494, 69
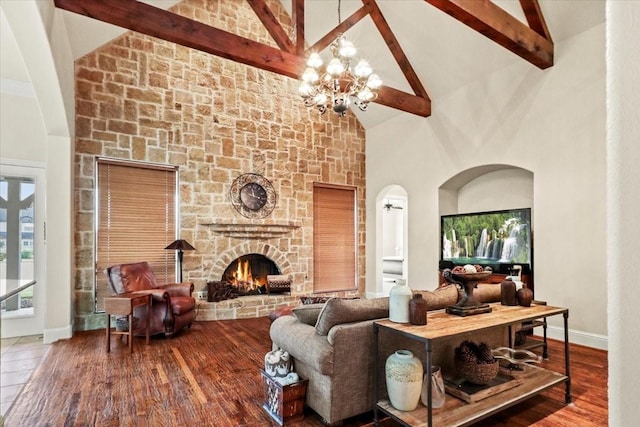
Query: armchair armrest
184, 289
156, 294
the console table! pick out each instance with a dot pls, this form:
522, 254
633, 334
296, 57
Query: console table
123, 305
441, 325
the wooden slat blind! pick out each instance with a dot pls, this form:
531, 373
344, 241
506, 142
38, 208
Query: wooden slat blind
136, 220
334, 238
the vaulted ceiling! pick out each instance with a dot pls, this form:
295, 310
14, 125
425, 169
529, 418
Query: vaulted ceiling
422, 49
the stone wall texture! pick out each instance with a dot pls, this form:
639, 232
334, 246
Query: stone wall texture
143, 99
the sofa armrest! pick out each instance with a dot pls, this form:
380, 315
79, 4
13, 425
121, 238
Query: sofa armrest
184, 289
302, 343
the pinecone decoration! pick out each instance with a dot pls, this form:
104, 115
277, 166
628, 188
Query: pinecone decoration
467, 352
484, 353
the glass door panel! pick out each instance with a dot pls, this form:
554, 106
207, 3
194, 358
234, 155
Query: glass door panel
19, 245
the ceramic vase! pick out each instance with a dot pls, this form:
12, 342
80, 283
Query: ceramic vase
525, 296
277, 363
418, 310
399, 298
436, 383
403, 373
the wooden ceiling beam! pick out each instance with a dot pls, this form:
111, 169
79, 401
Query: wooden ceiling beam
496, 24
342, 27
535, 18
403, 101
396, 50
297, 8
165, 25
272, 25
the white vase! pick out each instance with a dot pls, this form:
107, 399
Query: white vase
399, 298
437, 388
403, 373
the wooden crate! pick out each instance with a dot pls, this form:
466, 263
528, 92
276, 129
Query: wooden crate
283, 403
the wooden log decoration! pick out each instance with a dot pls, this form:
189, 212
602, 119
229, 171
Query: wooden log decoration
220, 291
278, 283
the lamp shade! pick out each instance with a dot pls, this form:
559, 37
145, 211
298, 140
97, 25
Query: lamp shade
181, 245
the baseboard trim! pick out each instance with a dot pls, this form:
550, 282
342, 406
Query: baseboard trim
576, 337
53, 335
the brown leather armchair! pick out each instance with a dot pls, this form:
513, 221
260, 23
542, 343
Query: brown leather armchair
172, 306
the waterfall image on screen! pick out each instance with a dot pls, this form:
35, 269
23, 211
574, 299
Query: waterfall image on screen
487, 238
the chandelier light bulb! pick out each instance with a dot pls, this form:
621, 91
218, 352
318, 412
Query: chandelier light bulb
374, 81
320, 99
363, 69
346, 48
335, 67
365, 95
314, 61
310, 75
305, 89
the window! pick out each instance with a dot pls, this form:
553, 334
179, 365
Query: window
136, 219
334, 238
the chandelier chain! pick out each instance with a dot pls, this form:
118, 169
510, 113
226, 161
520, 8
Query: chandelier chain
339, 17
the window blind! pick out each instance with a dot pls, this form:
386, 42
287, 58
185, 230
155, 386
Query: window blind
334, 238
136, 220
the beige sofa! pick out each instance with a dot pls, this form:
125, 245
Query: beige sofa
333, 347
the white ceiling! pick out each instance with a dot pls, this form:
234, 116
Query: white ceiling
444, 52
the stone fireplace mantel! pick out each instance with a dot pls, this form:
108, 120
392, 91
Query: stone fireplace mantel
252, 230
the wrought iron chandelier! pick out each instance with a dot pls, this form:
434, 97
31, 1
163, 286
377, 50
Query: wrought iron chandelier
338, 86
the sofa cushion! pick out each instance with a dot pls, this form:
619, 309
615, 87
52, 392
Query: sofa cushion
337, 311
440, 298
308, 313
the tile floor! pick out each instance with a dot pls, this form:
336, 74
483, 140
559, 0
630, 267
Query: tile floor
20, 357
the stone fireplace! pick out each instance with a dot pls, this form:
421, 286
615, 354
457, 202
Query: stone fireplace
237, 284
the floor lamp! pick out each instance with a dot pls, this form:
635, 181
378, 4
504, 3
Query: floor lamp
180, 245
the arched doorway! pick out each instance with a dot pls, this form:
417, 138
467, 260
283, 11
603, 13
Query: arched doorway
392, 235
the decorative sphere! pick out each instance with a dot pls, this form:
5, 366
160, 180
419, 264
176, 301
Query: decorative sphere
469, 268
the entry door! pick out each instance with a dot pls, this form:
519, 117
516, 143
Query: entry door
22, 253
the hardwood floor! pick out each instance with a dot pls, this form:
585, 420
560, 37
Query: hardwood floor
210, 376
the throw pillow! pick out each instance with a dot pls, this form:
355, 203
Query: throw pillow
337, 311
308, 313
313, 299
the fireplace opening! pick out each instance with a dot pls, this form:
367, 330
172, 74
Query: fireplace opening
246, 275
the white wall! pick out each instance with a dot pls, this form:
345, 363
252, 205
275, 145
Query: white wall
41, 37
549, 122
623, 178
22, 133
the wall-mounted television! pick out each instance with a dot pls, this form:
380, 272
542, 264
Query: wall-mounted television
499, 239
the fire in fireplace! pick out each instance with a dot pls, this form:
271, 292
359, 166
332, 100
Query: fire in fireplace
246, 275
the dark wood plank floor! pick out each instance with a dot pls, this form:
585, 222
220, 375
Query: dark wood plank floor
210, 376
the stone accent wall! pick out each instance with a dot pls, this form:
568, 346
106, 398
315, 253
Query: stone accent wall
142, 99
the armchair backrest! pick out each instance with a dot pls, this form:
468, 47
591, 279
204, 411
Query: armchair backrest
131, 277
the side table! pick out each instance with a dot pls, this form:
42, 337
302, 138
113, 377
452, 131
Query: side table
123, 305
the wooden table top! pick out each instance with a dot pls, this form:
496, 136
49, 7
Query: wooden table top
443, 325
